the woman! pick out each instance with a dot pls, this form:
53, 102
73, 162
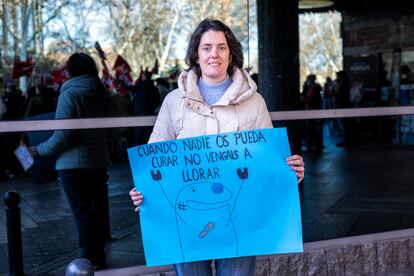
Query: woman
82, 155
215, 95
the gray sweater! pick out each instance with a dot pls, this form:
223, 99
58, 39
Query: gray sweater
80, 97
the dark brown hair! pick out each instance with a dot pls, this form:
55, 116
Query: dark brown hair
236, 53
80, 64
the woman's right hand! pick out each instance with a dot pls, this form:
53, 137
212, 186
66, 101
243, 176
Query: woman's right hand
33, 151
136, 197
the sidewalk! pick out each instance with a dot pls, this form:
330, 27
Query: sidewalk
49, 233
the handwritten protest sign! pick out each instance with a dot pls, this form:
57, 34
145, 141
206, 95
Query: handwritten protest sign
217, 196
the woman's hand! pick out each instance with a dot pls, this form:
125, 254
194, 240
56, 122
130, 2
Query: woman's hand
33, 151
136, 197
296, 164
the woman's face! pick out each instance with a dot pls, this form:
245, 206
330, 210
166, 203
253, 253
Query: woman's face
213, 56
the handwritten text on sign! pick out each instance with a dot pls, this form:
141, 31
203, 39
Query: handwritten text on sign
165, 154
217, 196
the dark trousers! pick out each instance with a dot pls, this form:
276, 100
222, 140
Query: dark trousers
86, 192
313, 138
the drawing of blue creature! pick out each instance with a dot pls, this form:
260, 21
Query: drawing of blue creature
203, 213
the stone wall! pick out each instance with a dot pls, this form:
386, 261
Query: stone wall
375, 254
368, 258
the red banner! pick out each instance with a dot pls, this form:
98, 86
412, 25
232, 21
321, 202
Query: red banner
23, 68
122, 73
59, 75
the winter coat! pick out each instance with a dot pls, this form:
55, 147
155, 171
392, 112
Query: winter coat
146, 97
14, 106
81, 97
312, 97
184, 114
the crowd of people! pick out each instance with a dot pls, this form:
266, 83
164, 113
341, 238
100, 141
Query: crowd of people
333, 94
81, 157
141, 99
15, 105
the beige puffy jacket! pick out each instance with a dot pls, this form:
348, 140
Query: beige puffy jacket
184, 114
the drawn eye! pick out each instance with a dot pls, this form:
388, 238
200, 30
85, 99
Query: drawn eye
192, 188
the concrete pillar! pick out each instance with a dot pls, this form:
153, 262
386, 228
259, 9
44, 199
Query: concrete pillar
278, 34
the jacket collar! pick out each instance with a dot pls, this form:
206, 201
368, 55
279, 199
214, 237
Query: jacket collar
240, 90
78, 80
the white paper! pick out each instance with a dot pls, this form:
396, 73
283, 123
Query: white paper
24, 157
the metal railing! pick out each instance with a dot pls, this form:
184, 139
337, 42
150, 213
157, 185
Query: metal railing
115, 122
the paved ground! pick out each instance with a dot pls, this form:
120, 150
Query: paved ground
358, 191
48, 229
353, 191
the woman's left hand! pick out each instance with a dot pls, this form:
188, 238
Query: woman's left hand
296, 164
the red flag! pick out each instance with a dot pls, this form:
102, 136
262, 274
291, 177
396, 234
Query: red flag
59, 75
122, 70
101, 53
107, 79
23, 68
122, 73
120, 63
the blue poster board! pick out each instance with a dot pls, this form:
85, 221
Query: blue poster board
43, 169
217, 196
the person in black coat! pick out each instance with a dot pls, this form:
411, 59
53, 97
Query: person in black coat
146, 101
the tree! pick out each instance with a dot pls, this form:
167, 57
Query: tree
71, 27
37, 27
23, 23
143, 31
4, 55
320, 44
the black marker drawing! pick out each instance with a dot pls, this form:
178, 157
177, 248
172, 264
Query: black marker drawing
157, 177
203, 208
242, 175
207, 229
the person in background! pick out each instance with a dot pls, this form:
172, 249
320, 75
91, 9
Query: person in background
311, 97
40, 100
14, 102
328, 92
3, 109
214, 95
407, 76
342, 100
163, 87
82, 155
146, 100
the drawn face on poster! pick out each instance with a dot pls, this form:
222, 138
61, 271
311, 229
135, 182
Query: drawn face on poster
205, 196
